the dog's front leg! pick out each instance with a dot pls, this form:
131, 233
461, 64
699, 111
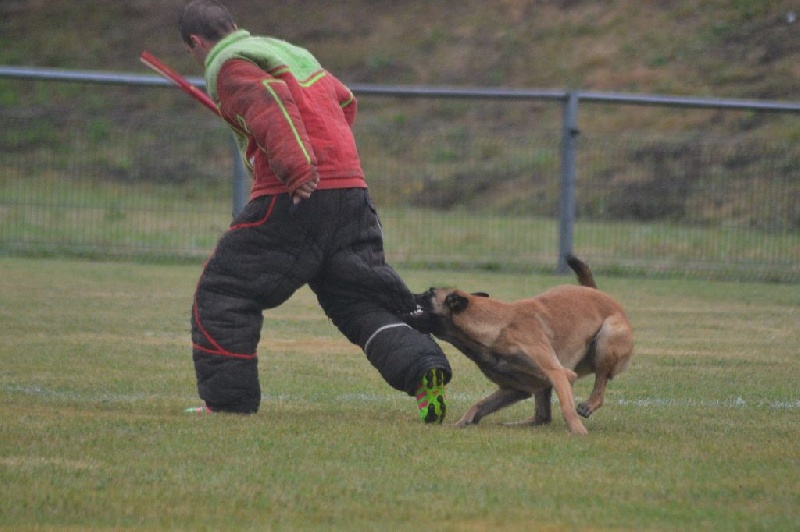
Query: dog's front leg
562, 379
491, 403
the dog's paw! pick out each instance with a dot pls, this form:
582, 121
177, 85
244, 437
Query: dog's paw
579, 431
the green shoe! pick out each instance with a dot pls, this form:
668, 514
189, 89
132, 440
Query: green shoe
431, 397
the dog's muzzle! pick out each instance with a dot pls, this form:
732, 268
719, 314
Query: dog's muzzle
421, 318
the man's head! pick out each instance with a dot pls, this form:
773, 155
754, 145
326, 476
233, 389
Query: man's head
203, 24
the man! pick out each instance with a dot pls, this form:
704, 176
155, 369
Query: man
309, 221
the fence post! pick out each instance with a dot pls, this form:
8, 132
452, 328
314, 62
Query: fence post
240, 190
566, 196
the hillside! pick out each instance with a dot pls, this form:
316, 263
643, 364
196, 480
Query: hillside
725, 48
720, 48
715, 48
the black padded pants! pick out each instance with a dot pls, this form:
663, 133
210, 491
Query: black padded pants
333, 243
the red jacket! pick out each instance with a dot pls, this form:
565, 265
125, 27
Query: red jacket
294, 129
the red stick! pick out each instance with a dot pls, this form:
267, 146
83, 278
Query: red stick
150, 60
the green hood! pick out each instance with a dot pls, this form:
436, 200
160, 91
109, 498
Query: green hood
268, 53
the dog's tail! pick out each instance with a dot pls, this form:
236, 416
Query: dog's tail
581, 270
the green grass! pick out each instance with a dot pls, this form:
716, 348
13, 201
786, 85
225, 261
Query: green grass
55, 216
700, 433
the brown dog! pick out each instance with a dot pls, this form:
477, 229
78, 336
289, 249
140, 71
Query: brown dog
531, 346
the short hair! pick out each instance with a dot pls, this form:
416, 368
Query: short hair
209, 19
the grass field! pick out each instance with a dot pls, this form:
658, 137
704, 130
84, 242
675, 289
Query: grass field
701, 432
54, 216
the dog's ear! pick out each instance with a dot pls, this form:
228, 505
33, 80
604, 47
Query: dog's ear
480, 294
455, 302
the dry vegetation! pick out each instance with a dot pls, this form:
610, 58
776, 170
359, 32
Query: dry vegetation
717, 48
721, 48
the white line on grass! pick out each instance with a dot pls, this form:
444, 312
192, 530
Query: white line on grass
641, 402
732, 402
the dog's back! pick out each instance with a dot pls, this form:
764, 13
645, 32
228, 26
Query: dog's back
581, 270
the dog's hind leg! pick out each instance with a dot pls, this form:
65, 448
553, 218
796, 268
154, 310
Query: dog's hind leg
595, 400
542, 412
491, 403
614, 350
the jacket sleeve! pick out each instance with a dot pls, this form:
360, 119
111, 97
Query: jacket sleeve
262, 106
347, 101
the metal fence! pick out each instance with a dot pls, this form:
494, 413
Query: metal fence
137, 184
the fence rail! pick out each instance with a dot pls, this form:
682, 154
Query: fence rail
722, 207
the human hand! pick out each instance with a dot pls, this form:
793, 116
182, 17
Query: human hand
304, 191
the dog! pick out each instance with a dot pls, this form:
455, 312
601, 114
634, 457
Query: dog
532, 346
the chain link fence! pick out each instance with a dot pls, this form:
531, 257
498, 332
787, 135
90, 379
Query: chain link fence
140, 183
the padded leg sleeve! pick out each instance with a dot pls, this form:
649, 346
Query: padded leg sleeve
226, 384
227, 377
247, 273
400, 353
365, 297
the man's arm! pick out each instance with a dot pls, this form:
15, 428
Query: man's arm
263, 106
346, 99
